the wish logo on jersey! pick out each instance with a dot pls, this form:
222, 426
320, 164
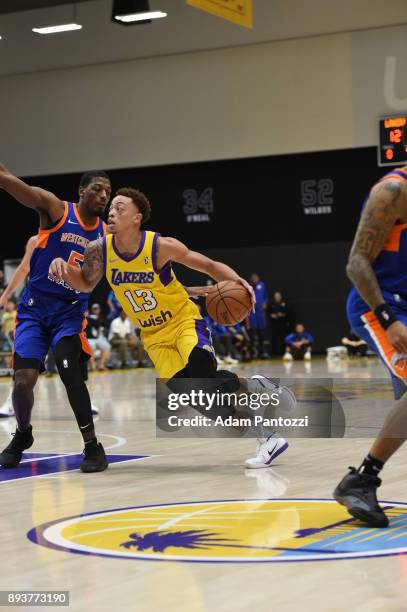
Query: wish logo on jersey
234, 531
118, 277
154, 321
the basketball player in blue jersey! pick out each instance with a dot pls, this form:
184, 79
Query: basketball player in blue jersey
51, 314
377, 311
138, 266
19, 277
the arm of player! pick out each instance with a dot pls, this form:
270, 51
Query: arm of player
386, 205
82, 279
20, 273
170, 249
32, 197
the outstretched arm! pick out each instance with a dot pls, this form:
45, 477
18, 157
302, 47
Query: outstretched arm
32, 197
82, 279
20, 273
170, 249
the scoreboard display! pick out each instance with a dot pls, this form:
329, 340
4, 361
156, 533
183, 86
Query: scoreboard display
392, 150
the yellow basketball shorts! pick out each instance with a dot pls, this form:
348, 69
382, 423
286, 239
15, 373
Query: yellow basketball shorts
169, 349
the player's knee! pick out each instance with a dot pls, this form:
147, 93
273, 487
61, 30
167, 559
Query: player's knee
228, 380
201, 364
67, 359
24, 381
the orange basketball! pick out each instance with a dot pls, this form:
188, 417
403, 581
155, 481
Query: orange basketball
228, 303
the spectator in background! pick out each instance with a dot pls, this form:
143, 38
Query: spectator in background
114, 307
122, 338
278, 317
222, 342
8, 321
240, 340
298, 344
258, 319
96, 337
356, 347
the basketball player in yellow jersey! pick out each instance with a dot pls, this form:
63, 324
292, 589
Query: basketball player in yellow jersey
137, 265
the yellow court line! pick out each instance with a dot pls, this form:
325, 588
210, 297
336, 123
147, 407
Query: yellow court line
356, 535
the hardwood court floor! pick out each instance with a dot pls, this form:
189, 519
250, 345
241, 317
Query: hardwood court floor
172, 474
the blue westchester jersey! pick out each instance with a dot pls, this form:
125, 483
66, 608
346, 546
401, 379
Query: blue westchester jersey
390, 268
49, 310
68, 239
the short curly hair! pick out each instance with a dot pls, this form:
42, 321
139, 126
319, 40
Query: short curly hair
139, 199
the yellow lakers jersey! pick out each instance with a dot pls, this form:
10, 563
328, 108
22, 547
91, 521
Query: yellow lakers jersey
152, 299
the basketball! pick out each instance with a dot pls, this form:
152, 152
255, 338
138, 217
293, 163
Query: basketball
228, 303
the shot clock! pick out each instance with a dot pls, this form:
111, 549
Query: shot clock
392, 150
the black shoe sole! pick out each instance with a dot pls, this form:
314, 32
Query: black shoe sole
363, 515
15, 463
9, 465
92, 469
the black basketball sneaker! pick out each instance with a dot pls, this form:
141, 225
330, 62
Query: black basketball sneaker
95, 458
12, 454
357, 492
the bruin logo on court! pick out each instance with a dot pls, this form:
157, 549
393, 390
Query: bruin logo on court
154, 321
197, 207
118, 277
233, 531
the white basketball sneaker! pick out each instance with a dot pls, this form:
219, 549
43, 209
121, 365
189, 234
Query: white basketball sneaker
7, 409
287, 356
230, 360
262, 384
95, 409
267, 452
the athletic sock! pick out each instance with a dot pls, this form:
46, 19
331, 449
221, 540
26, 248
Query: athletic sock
92, 442
371, 466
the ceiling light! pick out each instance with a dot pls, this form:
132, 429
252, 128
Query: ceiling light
65, 27
129, 12
140, 16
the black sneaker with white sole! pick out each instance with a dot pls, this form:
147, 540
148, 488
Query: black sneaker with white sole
357, 492
12, 454
95, 458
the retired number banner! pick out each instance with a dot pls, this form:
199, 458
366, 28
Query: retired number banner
238, 11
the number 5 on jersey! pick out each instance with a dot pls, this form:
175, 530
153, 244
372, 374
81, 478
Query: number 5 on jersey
76, 259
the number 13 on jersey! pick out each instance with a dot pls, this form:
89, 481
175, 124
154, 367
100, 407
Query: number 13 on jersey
149, 302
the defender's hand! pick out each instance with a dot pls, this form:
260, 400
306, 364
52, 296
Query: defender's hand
58, 269
397, 335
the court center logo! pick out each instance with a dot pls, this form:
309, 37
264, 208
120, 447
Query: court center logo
228, 531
